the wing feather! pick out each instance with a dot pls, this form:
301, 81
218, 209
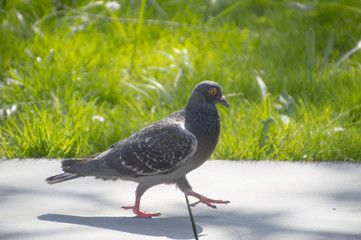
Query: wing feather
157, 149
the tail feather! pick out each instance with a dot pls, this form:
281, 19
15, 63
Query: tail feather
67, 163
61, 178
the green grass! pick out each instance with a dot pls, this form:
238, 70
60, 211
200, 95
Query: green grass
77, 76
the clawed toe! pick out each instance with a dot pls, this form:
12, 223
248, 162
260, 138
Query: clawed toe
205, 200
147, 215
141, 214
209, 202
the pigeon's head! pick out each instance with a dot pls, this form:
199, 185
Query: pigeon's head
210, 92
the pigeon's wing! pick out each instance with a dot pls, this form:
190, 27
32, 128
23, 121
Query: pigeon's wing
156, 149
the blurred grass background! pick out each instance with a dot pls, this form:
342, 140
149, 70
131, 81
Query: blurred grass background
77, 76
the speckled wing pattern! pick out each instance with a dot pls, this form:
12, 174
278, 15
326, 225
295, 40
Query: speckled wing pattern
156, 149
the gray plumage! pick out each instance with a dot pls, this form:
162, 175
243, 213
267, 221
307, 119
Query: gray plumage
163, 152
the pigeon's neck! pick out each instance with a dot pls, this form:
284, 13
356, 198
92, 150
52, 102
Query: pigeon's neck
202, 119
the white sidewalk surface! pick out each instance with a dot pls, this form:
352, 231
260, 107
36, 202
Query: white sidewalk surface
269, 200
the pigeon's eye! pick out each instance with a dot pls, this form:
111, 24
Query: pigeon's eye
212, 91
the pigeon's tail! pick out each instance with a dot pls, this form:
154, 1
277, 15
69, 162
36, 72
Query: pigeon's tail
67, 165
61, 178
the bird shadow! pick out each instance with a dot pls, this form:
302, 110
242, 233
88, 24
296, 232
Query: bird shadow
173, 228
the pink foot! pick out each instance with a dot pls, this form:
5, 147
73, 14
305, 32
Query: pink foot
141, 214
205, 200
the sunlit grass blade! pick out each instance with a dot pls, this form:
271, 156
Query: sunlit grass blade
327, 52
310, 49
348, 54
262, 87
139, 90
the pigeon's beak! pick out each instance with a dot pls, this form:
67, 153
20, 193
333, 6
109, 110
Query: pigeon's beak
222, 100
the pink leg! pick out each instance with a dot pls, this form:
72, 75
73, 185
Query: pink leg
205, 200
140, 214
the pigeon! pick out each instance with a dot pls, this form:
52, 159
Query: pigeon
163, 152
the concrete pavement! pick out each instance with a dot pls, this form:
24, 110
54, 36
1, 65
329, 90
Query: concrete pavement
269, 200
